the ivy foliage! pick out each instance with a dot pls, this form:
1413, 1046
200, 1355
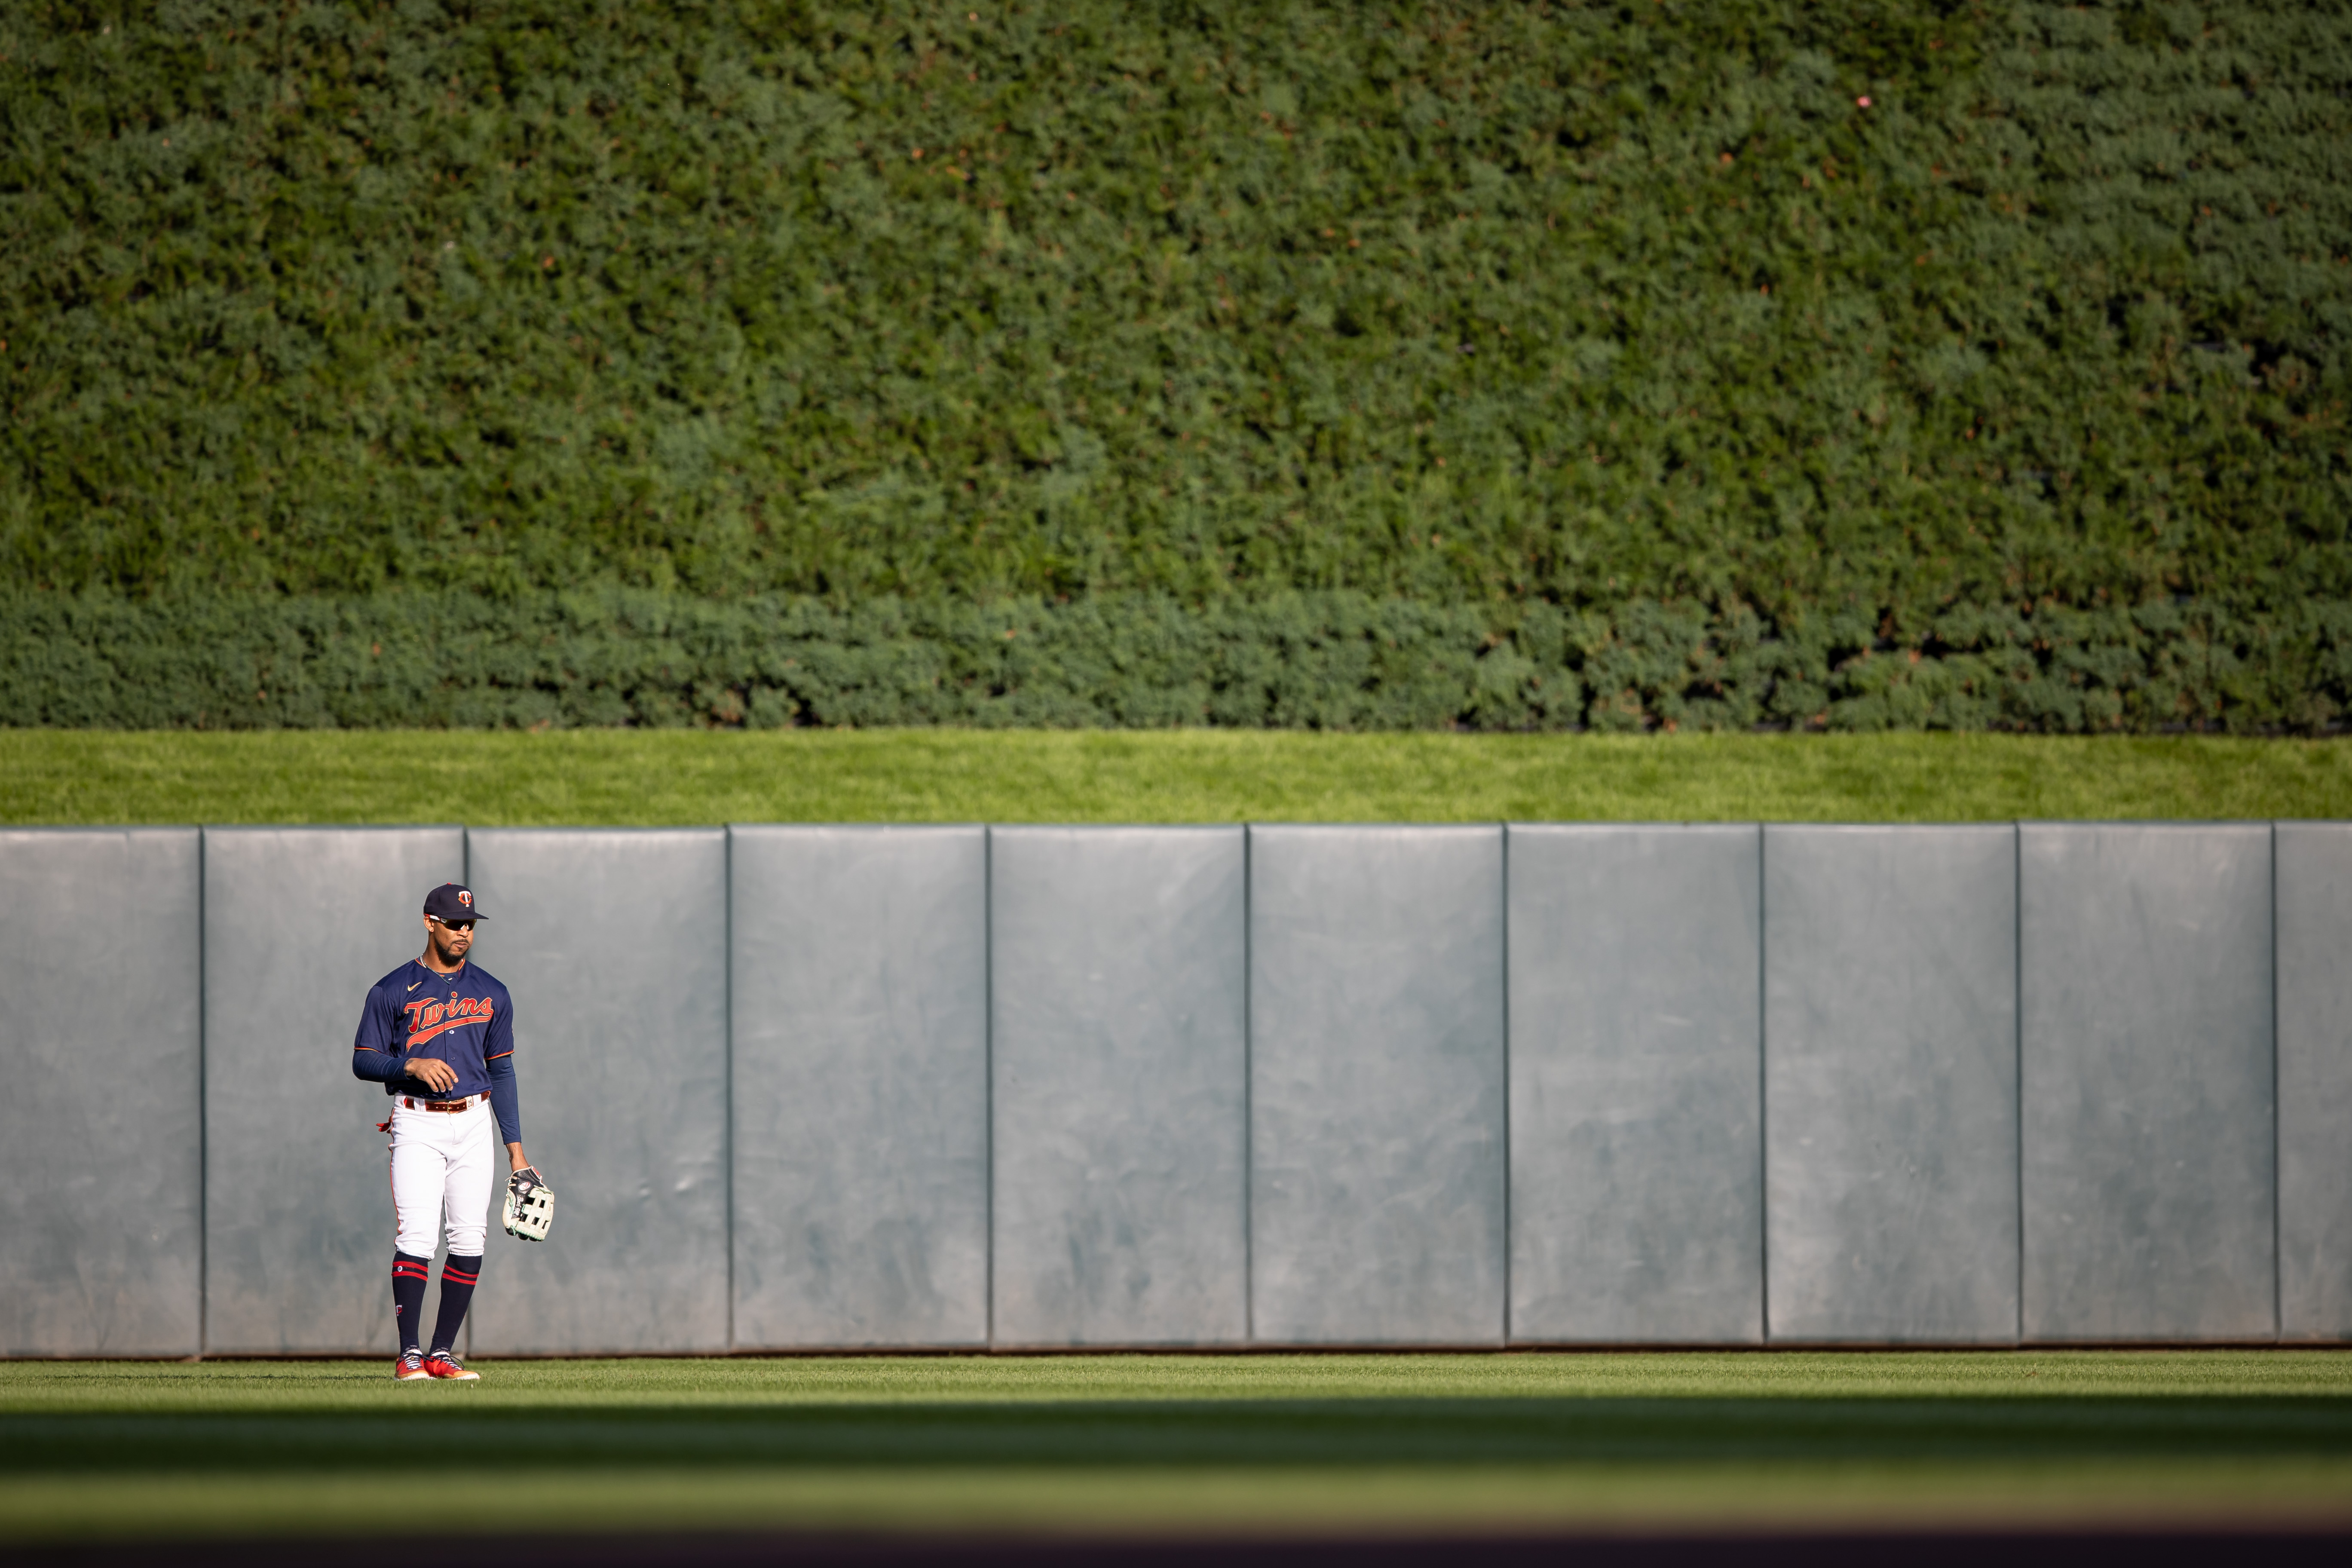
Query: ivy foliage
1334, 659
1968, 361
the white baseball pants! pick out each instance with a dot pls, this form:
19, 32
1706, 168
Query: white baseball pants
441, 1170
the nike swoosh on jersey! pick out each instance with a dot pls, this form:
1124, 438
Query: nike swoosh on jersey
413, 987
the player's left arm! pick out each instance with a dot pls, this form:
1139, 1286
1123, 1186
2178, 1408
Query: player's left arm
498, 1061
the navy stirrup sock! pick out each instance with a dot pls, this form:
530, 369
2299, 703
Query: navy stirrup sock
457, 1277
408, 1276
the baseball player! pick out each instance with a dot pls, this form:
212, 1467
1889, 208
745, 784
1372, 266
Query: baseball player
438, 1034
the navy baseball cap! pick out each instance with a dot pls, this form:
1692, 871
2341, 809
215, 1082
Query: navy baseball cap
449, 903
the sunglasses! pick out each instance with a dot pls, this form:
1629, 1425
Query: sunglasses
451, 925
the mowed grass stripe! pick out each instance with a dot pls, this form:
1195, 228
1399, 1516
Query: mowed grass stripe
641, 778
1203, 1444
495, 1496
1110, 1433
717, 1382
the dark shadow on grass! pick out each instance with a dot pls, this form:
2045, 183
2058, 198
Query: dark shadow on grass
479, 1549
1201, 1432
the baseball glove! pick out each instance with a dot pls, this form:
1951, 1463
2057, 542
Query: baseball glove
529, 1206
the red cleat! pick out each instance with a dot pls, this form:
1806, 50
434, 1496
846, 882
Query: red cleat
445, 1363
410, 1367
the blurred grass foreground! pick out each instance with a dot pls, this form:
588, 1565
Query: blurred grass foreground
1336, 1444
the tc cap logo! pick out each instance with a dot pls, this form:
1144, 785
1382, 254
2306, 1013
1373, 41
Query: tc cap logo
452, 901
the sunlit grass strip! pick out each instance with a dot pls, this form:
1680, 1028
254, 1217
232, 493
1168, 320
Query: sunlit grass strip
627, 778
270, 1386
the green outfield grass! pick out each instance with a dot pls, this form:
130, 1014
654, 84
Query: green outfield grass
1198, 1444
650, 778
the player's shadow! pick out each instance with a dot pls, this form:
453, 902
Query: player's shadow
1254, 1431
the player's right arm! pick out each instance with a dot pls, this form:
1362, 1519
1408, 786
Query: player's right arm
376, 1049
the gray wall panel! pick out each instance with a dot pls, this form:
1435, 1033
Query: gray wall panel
1635, 1143
1890, 1088
299, 922
860, 1024
100, 1241
613, 945
1118, 1062
1377, 1084
2315, 1080
2145, 993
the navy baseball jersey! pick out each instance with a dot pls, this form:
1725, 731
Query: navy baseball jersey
465, 1019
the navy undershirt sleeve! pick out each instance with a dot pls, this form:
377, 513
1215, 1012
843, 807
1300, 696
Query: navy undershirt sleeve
498, 1060
375, 1054
504, 1103
377, 1067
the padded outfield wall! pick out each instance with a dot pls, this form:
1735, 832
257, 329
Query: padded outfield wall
866, 1087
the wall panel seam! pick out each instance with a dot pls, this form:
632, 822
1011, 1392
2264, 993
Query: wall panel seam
2017, 1032
1506, 851
988, 1065
727, 988
1763, 1117
203, 1139
1249, 1070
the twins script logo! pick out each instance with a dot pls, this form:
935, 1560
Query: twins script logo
428, 1017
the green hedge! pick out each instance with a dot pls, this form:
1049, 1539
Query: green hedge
1632, 318
1334, 661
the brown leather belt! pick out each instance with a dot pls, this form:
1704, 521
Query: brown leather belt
415, 1104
